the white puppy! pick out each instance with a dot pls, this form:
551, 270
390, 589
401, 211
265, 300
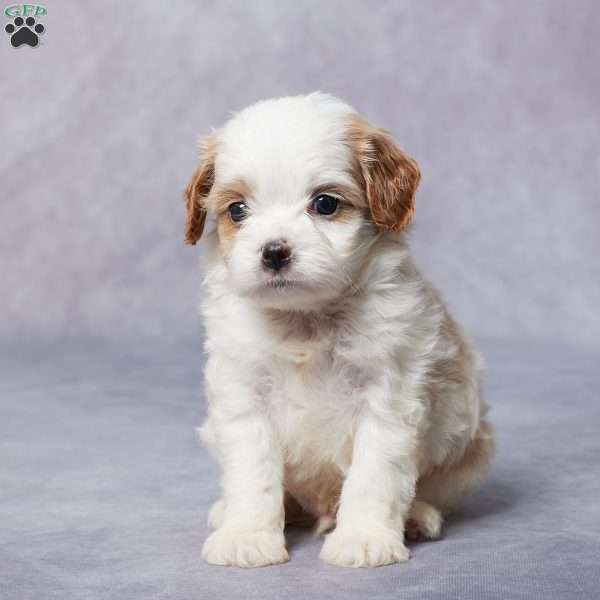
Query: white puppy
338, 385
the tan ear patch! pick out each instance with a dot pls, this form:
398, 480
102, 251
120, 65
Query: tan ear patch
389, 177
198, 190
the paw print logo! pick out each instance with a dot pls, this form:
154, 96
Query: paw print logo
24, 32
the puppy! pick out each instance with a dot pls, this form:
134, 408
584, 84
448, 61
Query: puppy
339, 388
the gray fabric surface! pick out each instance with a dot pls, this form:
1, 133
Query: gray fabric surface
107, 487
103, 486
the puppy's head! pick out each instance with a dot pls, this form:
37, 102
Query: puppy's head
299, 188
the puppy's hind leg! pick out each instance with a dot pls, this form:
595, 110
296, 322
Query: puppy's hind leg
423, 520
447, 485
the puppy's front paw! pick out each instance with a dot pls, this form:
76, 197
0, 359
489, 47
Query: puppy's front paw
349, 548
237, 547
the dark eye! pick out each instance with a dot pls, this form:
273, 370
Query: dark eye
324, 204
238, 211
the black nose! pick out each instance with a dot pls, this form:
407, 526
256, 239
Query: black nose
275, 255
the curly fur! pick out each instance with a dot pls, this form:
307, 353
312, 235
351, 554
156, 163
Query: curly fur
341, 389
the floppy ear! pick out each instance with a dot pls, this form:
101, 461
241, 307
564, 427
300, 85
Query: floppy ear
390, 177
198, 189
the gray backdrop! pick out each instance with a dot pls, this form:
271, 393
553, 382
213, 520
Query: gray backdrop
105, 486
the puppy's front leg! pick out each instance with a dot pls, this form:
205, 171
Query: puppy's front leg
377, 492
251, 531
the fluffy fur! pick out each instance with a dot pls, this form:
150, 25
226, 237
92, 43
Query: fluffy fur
340, 389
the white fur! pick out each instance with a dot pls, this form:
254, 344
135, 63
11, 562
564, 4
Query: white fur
337, 376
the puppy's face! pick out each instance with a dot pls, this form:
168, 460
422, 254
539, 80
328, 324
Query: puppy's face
299, 187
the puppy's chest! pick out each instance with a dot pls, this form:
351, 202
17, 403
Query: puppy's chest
315, 401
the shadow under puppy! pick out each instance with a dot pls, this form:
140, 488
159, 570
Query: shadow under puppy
338, 385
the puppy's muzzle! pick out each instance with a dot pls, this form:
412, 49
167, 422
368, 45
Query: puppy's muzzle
276, 255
